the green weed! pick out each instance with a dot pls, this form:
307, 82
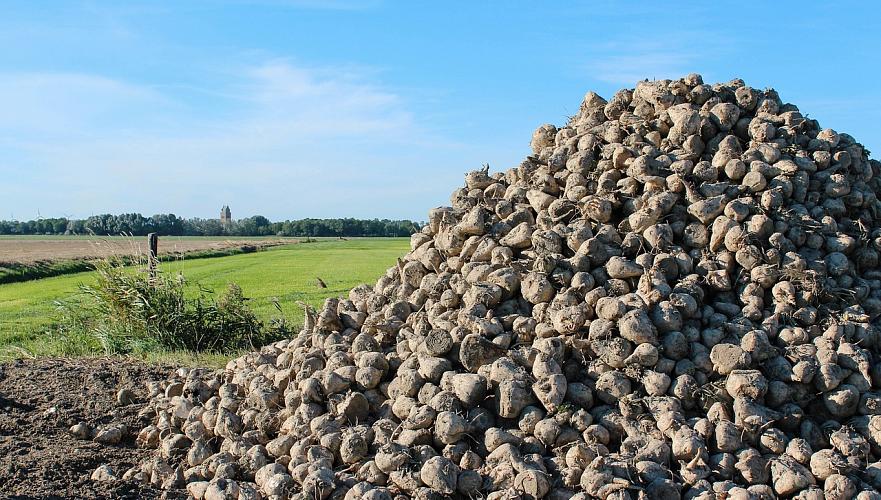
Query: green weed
136, 312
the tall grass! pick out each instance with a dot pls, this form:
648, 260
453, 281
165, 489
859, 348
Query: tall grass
128, 311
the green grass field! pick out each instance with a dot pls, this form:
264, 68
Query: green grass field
287, 273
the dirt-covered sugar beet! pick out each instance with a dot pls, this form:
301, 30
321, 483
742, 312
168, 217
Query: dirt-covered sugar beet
676, 295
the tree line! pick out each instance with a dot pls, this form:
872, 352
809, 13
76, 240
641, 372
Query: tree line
172, 225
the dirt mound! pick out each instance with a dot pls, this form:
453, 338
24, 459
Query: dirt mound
41, 399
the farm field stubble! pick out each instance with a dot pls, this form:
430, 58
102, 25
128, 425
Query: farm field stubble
30, 249
286, 273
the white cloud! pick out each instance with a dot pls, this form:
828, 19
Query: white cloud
290, 141
67, 103
627, 60
313, 4
326, 102
629, 69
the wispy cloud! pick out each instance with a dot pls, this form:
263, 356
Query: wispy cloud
326, 102
99, 144
627, 60
628, 69
67, 104
314, 4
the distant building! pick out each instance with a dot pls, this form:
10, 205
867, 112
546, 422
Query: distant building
225, 216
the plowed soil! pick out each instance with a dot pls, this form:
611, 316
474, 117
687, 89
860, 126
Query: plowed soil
41, 399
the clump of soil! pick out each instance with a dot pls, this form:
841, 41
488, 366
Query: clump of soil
41, 399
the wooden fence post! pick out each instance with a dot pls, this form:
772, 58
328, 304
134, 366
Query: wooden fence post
153, 245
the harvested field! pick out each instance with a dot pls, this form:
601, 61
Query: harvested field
39, 458
32, 250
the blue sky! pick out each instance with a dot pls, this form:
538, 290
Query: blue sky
308, 108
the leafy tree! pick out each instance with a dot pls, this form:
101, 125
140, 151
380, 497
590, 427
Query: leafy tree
172, 225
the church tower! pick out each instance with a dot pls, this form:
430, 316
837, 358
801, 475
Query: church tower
225, 216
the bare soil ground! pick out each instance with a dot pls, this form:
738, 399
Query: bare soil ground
41, 399
31, 251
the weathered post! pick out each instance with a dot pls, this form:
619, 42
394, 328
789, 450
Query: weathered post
153, 258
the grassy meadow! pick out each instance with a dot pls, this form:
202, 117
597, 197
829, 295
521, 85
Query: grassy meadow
285, 273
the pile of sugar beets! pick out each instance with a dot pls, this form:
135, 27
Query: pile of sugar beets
674, 296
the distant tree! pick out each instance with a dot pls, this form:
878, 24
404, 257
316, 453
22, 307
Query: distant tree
75, 226
59, 225
172, 225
